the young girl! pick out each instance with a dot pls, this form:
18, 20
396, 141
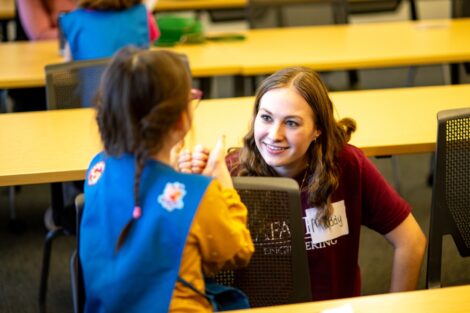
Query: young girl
294, 134
144, 224
98, 28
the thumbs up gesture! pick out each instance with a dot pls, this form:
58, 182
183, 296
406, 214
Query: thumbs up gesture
203, 161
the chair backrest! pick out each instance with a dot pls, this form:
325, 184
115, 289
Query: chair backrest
278, 271
380, 6
284, 13
450, 208
373, 6
76, 276
460, 8
73, 84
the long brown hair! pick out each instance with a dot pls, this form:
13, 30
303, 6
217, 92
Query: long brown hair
141, 96
107, 4
322, 153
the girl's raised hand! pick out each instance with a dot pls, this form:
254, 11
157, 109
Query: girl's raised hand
216, 165
199, 159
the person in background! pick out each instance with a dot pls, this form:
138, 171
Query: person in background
294, 134
98, 28
36, 20
39, 18
144, 224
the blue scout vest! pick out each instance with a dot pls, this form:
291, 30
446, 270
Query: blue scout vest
99, 34
141, 276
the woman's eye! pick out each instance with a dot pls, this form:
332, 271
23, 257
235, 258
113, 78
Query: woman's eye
265, 117
292, 124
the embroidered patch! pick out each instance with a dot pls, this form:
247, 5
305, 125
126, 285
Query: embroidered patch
95, 173
172, 196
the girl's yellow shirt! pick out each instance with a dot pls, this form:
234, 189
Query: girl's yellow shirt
218, 239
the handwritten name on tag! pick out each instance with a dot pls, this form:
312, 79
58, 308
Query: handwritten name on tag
336, 226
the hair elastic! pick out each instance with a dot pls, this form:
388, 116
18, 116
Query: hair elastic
137, 212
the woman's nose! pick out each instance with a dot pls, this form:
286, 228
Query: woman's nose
276, 132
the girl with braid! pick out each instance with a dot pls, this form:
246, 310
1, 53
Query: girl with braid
144, 224
294, 134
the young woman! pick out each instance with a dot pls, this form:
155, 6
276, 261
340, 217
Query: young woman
144, 224
294, 134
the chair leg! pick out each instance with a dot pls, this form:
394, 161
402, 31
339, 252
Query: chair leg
46, 258
410, 80
15, 226
11, 202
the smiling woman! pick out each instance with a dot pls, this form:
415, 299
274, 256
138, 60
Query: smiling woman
284, 129
294, 134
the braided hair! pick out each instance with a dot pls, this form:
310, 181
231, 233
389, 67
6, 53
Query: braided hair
142, 94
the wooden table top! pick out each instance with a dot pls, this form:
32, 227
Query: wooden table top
440, 300
182, 5
52, 146
338, 47
22, 63
7, 9
324, 48
387, 119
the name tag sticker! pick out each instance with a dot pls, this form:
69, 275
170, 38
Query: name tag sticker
336, 226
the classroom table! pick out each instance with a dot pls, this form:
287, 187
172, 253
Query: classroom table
22, 63
56, 146
7, 13
7, 9
325, 48
188, 5
440, 300
355, 46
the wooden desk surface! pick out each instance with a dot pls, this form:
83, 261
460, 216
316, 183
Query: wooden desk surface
7, 9
180, 5
337, 47
44, 147
334, 47
22, 63
389, 121
441, 300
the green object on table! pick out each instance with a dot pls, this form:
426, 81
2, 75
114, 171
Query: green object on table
226, 37
173, 28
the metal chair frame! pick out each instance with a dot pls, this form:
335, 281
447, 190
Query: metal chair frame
450, 208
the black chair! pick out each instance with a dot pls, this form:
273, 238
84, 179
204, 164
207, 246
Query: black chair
291, 13
380, 6
278, 271
68, 85
73, 84
450, 208
283, 13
